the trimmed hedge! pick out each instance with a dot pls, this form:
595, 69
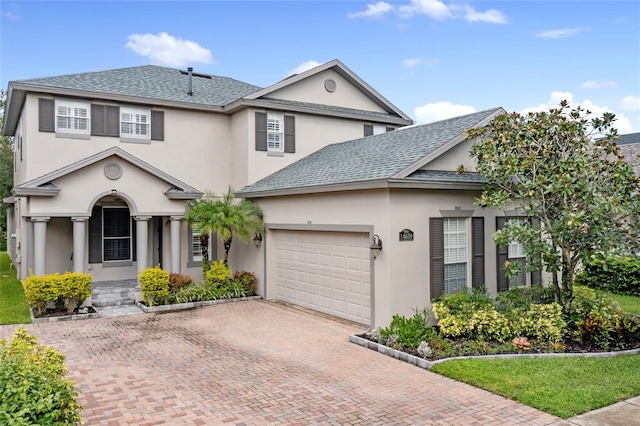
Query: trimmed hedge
72, 287
33, 387
154, 283
620, 275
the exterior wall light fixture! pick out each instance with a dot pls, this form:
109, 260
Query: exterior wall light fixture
376, 246
257, 239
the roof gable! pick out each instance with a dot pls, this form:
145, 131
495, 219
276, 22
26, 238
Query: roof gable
43, 186
340, 69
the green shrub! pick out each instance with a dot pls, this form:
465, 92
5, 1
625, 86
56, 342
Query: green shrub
40, 290
178, 281
154, 283
74, 288
619, 275
247, 280
465, 300
217, 275
542, 322
409, 332
33, 387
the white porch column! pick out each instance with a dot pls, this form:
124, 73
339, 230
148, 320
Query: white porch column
79, 236
142, 241
176, 222
40, 244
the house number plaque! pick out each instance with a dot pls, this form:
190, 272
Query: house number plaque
406, 235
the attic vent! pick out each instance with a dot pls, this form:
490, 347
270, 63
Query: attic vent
112, 171
330, 85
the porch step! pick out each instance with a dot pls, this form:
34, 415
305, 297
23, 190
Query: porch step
114, 293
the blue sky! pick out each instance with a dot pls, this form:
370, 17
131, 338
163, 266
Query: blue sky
433, 59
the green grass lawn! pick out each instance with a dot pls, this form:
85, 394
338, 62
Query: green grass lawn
14, 308
564, 387
629, 304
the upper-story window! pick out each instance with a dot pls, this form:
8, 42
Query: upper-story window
72, 117
275, 132
81, 119
376, 129
135, 123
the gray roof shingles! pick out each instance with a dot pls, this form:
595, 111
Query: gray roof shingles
370, 158
152, 82
629, 146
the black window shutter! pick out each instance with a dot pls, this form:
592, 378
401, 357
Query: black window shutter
97, 120
46, 115
390, 129
289, 133
105, 120
261, 131
477, 252
95, 235
112, 118
503, 256
368, 129
157, 125
213, 246
436, 245
536, 276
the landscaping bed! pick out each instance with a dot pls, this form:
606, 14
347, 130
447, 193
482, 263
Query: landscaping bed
53, 315
521, 321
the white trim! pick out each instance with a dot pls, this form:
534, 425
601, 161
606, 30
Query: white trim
72, 117
135, 123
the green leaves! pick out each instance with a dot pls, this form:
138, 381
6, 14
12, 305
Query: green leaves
565, 169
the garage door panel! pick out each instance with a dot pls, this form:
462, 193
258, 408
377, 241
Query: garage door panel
326, 271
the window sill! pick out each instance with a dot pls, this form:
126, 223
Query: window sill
72, 136
275, 154
117, 263
134, 140
194, 264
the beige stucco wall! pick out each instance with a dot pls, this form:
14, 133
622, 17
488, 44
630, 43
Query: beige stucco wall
401, 272
312, 133
312, 90
450, 160
195, 148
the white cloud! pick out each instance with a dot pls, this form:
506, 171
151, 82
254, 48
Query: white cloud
561, 33
305, 66
434, 9
440, 111
622, 122
165, 49
630, 103
374, 10
491, 16
592, 84
411, 62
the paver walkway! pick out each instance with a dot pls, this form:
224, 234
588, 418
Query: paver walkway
256, 363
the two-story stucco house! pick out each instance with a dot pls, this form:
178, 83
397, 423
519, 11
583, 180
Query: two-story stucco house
365, 216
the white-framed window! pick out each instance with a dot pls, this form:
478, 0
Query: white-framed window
275, 132
518, 256
196, 246
72, 116
456, 249
379, 129
116, 234
135, 123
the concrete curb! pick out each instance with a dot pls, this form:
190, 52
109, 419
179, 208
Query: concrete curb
191, 305
428, 365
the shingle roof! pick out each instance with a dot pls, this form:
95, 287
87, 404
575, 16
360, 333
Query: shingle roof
629, 138
371, 158
152, 82
446, 176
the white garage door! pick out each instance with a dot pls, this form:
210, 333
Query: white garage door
324, 271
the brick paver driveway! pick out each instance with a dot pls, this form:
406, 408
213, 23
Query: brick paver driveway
256, 363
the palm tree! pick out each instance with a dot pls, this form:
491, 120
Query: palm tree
225, 216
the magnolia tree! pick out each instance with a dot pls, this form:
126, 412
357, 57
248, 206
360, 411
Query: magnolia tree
564, 169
